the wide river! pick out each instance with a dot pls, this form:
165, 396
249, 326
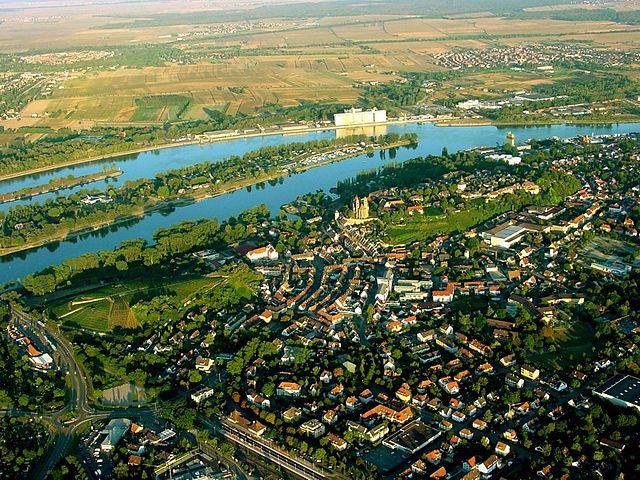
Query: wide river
432, 140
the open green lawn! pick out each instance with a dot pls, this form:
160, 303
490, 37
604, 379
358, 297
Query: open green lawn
107, 307
420, 227
571, 343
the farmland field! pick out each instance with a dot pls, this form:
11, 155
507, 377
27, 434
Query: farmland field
316, 59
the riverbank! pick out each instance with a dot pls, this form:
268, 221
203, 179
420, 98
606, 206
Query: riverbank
163, 146
192, 197
58, 184
440, 122
461, 122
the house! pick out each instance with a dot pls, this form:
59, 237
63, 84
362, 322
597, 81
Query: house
479, 424
502, 449
439, 474
257, 428
446, 329
262, 254
336, 391
452, 388
472, 475
617, 446
489, 465
258, 400
292, 414
330, 417
544, 472
508, 360
378, 433
466, 434
426, 336
202, 394
326, 376
365, 396
529, 372
352, 404
445, 425
479, 347
469, 464
424, 385
266, 316
337, 442
434, 456
289, 389
404, 393
485, 368
204, 364
419, 467
445, 295
312, 428
513, 380
458, 417
447, 344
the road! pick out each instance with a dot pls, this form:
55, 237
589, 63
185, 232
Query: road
63, 433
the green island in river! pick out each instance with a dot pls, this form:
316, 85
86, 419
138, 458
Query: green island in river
56, 184
30, 226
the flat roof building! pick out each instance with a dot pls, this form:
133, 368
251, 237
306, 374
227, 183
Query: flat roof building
113, 432
507, 234
357, 116
621, 390
412, 437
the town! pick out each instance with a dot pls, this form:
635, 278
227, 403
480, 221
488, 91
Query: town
504, 317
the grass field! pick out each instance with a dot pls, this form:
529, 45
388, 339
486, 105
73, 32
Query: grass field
433, 223
572, 341
108, 307
161, 108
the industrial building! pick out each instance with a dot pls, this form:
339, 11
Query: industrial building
412, 437
621, 390
357, 116
113, 432
504, 236
508, 234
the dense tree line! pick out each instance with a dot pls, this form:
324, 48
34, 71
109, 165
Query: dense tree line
134, 256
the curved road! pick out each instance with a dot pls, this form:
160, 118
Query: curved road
64, 432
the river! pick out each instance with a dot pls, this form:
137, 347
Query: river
432, 140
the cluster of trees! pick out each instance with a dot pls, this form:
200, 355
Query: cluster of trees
111, 362
390, 96
68, 467
24, 441
586, 15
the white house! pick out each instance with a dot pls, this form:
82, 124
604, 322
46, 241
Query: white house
263, 253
